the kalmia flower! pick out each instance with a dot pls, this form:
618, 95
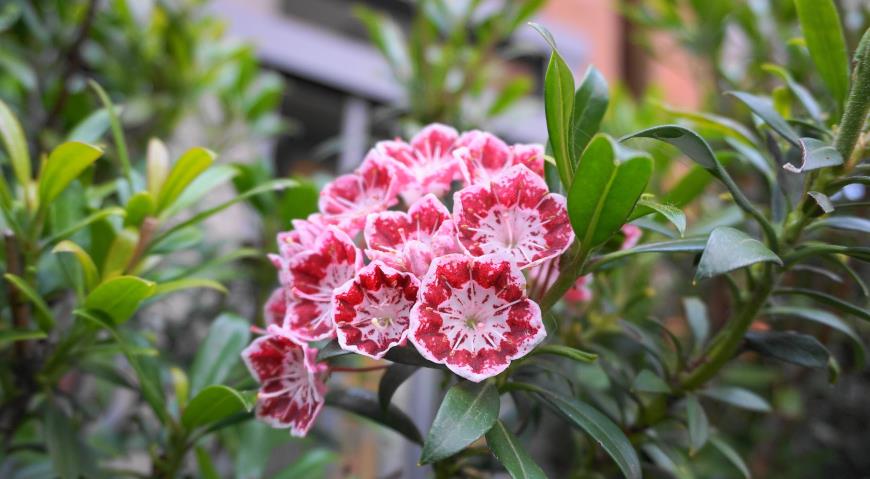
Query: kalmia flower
514, 213
372, 309
426, 164
372, 188
276, 307
314, 274
291, 383
473, 315
632, 235
302, 237
483, 156
409, 241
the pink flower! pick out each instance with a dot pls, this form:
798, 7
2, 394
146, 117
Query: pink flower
514, 213
348, 199
371, 310
426, 165
632, 236
473, 315
276, 307
580, 291
542, 277
483, 156
302, 236
409, 241
291, 384
314, 275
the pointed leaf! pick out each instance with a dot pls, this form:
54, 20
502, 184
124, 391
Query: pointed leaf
823, 33
731, 455
763, 107
16, 145
834, 301
187, 283
699, 427
92, 128
365, 403
213, 404
689, 142
219, 352
14, 335
467, 412
729, 249
87, 221
139, 206
803, 95
648, 382
801, 349
119, 297
822, 317
89, 269
566, 352
394, 376
44, 316
699, 322
590, 105
191, 164
511, 454
689, 245
823, 201
848, 223
65, 163
739, 397
671, 213
815, 154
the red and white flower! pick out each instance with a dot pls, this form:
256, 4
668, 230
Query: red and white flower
632, 235
483, 156
372, 310
514, 213
473, 315
291, 383
426, 164
348, 199
580, 292
303, 235
314, 275
276, 307
409, 241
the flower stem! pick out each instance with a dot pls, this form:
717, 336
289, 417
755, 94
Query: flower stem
858, 103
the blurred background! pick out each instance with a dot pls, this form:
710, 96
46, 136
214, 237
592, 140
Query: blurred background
303, 88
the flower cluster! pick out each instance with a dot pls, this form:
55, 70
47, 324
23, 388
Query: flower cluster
451, 282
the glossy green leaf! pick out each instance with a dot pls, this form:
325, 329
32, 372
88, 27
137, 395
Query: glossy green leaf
802, 94
688, 245
566, 352
689, 142
828, 299
92, 128
219, 352
815, 154
590, 105
191, 164
729, 249
44, 316
801, 349
16, 144
738, 397
847, 223
70, 457
671, 213
826, 318
823, 32
65, 163
139, 206
715, 124
394, 376
202, 186
511, 453
467, 412
365, 403
647, 381
119, 297
212, 404
120, 253
763, 107
600, 428
14, 335
409, 355
699, 427
731, 455
89, 269
698, 320
187, 283
605, 191
558, 108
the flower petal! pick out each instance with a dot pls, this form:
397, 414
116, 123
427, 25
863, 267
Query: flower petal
426, 165
372, 310
348, 199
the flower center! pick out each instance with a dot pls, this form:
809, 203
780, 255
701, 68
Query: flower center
473, 320
382, 322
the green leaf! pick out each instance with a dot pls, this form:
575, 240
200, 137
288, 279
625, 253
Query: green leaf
201, 186
714, 124
70, 457
16, 145
689, 142
44, 317
823, 32
65, 163
409, 355
825, 203
219, 352
331, 350
600, 427
120, 252
671, 213
801, 349
92, 128
823, 317
511, 454
590, 105
117, 130
558, 108
466, 413
393, 377
815, 154
187, 283
191, 164
119, 297
14, 335
87, 221
313, 463
699, 427
89, 269
213, 404
688, 245
803, 95
566, 352
365, 403
605, 191
205, 465
647, 381
729, 249
139, 206
731, 455
699, 322
763, 107
513, 91
739, 397
847, 223
834, 301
